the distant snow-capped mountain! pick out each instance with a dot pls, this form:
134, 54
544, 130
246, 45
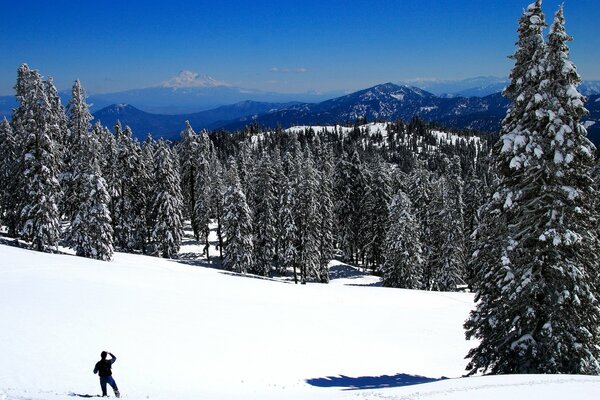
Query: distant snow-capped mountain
389, 102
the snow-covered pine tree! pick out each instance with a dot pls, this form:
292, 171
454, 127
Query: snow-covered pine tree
448, 255
216, 191
168, 203
40, 163
537, 305
307, 219
8, 165
187, 150
149, 186
57, 123
350, 188
420, 191
90, 232
447, 258
108, 150
326, 213
288, 252
203, 209
237, 225
265, 209
403, 255
79, 124
130, 205
376, 223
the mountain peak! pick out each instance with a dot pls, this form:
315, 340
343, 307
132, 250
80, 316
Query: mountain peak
190, 79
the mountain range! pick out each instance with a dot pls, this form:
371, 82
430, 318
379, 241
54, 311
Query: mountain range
384, 102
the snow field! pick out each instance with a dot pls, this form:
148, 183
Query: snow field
186, 332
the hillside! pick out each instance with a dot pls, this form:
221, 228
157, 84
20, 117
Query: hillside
169, 126
181, 330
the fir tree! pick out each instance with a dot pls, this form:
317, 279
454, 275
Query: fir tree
188, 156
537, 302
79, 123
265, 216
307, 220
168, 203
90, 232
203, 207
40, 160
377, 200
403, 265
237, 225
8, 165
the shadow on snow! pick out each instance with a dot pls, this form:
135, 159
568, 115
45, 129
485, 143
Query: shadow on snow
371, 382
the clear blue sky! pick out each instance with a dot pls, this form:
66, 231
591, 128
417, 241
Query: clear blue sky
280, 45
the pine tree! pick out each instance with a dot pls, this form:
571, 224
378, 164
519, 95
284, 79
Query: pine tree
168, 203
39, 162
403, 265
130, 202
8, 165
237, 225
307, 220
448, 256
188, 155
537, 302
265, 216
421, 192
377, 200
216, 194
149, 185
79, 124
203, 207
326, 214
90, 232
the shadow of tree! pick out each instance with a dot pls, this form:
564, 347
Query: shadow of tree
371, 382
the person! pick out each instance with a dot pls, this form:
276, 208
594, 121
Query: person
104, 370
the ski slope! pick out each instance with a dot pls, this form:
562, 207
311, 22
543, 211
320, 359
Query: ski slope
181, 330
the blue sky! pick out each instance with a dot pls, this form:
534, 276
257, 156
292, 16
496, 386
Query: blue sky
286, 46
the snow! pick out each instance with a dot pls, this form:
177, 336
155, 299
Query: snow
185, 330
398, 96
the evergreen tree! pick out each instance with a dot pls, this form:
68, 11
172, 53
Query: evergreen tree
8, 165
90, 232
420, 191
168, 203
79, 124
537, 302
377, 200
265, 216
216, 194
203, 209
40, 164
188, 155
448, 255
307, 220
237, 225
326, 215
403, 265
130, 203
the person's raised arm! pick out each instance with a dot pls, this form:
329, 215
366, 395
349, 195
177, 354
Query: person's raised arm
112, 358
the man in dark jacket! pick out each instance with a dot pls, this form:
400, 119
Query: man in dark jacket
103, 368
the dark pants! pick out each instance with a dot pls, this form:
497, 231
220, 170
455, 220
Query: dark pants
108, 379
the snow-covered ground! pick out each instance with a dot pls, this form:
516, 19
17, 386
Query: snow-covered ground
182, 330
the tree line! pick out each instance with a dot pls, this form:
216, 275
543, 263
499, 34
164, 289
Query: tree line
282, 201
